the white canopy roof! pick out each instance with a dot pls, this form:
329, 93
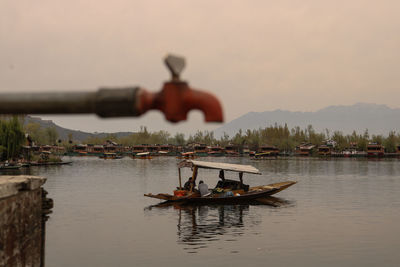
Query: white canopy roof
219, 166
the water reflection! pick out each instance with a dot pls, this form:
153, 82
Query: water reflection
199, 225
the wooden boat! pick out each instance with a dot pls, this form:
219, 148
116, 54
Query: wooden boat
10, 167
162, 153
47, 159
153, 150
187, 155
324, 150
226, 191
49, 163
139, 149
264, 155
110, 156
201, 150
143, 155
232, 151
267, 151
167, 150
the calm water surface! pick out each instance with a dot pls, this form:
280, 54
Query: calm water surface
341, 213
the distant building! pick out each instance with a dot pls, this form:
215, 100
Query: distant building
304, 149
375, 150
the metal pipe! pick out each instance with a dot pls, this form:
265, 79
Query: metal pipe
104, 102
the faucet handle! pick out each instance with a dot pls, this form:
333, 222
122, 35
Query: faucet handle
175, 65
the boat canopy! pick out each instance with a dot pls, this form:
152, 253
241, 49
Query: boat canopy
219, 166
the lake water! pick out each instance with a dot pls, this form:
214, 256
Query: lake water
342, 212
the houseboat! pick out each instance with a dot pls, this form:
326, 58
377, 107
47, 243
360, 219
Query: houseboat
186, 155
215, 151
79, 149
266, 151
304, 150
246, 150
273, 150
110, 149
375, 150
167, 150
139, 149
97, 150
200, 150
232, 151
324, 150
153, 150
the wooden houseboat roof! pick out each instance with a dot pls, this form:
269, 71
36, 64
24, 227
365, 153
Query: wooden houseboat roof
374, 145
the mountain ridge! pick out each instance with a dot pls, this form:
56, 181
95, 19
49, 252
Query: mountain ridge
63, 133
377, 118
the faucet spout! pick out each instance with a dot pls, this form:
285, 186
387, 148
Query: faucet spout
176, 99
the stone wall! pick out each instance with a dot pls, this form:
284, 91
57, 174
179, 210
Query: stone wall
21, 221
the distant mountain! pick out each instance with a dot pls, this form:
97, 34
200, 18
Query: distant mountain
378, 119
77, 136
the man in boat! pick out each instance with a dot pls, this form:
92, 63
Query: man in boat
222, 175
243, 186
189, 185
230, 184
203, 188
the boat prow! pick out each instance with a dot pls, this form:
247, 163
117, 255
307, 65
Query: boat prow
276, 187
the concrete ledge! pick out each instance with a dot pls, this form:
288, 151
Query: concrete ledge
11, 185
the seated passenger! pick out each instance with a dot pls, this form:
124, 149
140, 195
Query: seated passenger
203, 188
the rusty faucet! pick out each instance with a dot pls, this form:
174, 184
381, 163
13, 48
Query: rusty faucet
175, 100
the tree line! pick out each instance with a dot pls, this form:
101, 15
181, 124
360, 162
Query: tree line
12, 137
280, 136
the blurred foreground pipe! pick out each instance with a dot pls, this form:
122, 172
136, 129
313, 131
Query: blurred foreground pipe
175, 100
104, 102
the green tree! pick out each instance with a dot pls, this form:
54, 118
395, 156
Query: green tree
52, 135
35, 132
390, 142
179, 139
340, 139
224, 140
70, 138
12, 137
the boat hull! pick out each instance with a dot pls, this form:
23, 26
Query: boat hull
253, 194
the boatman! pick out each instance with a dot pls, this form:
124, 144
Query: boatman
222, 175
190, 184
203, 188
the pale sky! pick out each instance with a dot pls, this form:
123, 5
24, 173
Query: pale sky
254, 55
